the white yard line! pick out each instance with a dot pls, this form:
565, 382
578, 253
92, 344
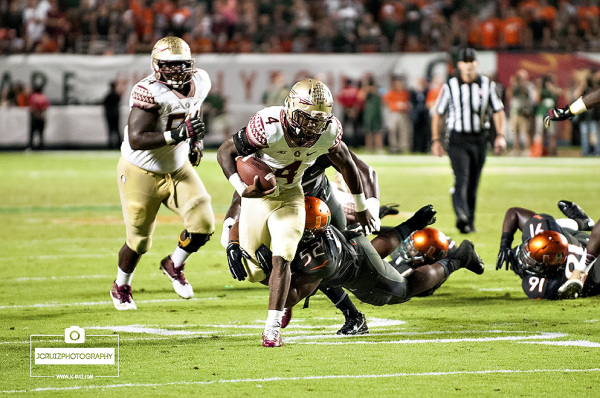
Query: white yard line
302, 378
575, 343
51, 278
101, 303
542, 335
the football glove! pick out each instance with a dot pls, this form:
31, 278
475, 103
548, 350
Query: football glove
506, 255
265, 258
196, 152
192, 127
234, 260
389, 209
557, 115
423, 217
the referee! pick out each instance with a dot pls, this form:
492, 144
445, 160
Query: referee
468, 99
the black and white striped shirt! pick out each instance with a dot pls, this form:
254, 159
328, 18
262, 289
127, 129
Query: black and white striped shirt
468, 104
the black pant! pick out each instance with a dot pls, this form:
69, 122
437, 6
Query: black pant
467, 155
36, 126
114, 135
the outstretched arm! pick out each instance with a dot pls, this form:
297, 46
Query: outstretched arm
514, 219
582, 104
386, 242
341, 158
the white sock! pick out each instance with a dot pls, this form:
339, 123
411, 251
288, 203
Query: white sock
179, 257
274, 319
123, 278
568, 223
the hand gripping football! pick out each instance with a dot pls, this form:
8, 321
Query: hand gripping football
250, 166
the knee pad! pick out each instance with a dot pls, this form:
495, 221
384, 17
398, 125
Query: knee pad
140, 245
191, 242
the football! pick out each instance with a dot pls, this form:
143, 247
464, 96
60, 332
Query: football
250, 166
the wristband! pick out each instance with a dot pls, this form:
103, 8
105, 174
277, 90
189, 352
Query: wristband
435, 140
239, 185
373, 206
360, 202
168, 139
578, 107
227, 224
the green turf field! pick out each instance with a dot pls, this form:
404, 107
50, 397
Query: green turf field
478, 336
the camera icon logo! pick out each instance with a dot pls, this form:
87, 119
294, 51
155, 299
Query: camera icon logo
74, 335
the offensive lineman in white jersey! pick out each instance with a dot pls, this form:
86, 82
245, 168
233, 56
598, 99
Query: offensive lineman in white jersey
163, 130
289, 139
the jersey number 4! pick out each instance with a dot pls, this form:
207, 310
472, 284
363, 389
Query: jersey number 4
289, 171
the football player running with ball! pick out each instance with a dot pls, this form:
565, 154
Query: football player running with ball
163, 131
550, 260
289, 139
314, 183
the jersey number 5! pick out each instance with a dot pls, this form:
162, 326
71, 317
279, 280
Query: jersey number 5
313, 251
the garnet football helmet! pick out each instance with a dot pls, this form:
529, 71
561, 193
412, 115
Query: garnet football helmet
172, 62
318, 214
545, 254
425, 246
308, 107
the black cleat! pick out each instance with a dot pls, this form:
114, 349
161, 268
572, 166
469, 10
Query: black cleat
570, 290
463, 226
469, 258
423, 217
355, 325
575, 212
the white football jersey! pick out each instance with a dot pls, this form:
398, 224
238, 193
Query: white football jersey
275, 148
172, 108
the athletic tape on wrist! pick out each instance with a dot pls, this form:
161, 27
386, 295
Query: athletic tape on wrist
237, 183
578, 107
360, 202
168, 139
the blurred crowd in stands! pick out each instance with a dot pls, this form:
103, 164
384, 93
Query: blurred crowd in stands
388, 116
298, 26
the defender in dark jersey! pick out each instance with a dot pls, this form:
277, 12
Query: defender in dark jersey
547, 256
348, 259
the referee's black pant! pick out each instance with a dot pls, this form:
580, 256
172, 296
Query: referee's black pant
467, 153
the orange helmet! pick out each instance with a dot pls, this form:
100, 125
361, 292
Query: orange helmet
544, 254
425, 246
318, 214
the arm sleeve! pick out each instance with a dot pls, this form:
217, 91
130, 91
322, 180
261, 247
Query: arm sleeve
243, 146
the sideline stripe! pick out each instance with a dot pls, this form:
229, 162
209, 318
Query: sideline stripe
302, 378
